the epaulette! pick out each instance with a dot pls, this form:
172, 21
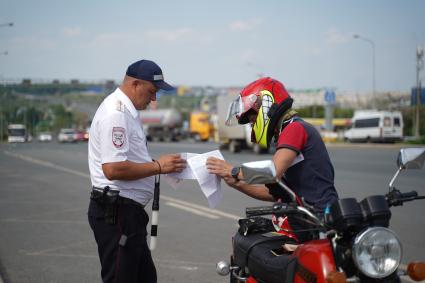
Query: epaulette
120, 106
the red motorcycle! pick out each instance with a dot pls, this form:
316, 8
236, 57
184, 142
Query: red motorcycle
350, 242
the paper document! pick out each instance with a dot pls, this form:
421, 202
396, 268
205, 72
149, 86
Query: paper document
210, 183
175, 180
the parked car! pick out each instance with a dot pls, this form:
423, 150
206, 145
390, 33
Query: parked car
81, 136
45, 137
67, 135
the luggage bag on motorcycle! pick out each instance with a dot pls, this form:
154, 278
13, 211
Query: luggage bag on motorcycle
255, 252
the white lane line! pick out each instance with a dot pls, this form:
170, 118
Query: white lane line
180, 204
46, 164
48, 251
171, 264
43, 221
32, 216
203, 208
192, 210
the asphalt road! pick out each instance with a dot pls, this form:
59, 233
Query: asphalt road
45, 237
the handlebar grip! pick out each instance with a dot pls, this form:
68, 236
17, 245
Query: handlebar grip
260, 210
409, 195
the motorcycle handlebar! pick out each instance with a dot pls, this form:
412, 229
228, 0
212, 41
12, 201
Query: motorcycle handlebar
412, 194
396, 198
258, 211
277, 208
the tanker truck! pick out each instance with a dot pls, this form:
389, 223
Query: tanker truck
162, 124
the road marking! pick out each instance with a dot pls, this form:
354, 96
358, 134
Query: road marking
43, 221
180, 204
192, 210
203, 208
172, 264
45, 163
47, 251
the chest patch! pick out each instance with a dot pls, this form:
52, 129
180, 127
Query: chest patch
118, 136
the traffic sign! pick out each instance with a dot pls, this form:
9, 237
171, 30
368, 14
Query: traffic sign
330, 97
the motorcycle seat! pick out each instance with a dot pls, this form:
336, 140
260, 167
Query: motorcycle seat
255, 252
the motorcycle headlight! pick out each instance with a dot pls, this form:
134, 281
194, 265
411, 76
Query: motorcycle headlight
377, 252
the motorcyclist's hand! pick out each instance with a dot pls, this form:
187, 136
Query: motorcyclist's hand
171, 163
219, 167
231, 181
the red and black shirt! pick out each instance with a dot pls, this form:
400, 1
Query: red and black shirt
313, 177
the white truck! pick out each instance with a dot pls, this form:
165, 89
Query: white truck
237, 137
375, 126
162, 124
17, 133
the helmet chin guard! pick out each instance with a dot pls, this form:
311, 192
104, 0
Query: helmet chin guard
276, 111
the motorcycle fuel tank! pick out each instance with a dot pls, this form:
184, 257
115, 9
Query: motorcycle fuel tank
315, 259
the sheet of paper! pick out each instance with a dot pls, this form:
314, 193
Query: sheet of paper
197, 170
176, 180
210, 183
187, 172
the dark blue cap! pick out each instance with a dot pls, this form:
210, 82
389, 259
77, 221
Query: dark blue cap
148, 71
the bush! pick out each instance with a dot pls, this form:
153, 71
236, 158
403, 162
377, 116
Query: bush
421, 140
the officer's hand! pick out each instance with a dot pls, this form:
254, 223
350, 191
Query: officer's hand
171, 163
219, 167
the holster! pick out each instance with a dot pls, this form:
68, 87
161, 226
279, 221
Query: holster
108, 200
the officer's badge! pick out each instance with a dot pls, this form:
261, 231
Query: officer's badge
118, 136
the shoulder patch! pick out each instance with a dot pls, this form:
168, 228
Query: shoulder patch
118, 136
120, 106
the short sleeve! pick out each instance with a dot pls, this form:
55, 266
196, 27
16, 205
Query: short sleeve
114, 138
293, 136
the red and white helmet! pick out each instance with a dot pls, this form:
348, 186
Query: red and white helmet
263, 101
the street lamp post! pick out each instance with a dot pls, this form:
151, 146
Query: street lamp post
1, 110
373, 66
419, 66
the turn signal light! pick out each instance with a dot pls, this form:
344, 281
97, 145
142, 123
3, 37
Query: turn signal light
336, 277
416, 271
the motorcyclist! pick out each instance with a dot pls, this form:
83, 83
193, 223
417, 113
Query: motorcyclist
301, 158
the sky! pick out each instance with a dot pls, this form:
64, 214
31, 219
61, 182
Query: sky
304, 44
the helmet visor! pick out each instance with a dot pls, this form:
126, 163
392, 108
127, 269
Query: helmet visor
239, 108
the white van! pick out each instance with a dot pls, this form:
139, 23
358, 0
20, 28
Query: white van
375, 126
17, 133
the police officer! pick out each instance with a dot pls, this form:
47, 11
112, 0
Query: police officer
123, 174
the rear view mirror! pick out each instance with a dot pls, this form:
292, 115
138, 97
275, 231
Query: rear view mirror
259, 172
411, 158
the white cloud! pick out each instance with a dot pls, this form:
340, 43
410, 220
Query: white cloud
335, 37
313, 50
71, 31
245, 25
34, 41
169, 35
111, 39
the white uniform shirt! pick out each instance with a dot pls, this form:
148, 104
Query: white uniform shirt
116, 135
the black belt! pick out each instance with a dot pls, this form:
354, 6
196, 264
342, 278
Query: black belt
121, 200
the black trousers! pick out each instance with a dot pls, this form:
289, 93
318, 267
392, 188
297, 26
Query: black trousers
123, 251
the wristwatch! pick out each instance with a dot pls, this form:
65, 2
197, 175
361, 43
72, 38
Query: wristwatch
235, 172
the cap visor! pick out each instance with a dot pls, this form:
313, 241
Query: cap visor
163, 85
